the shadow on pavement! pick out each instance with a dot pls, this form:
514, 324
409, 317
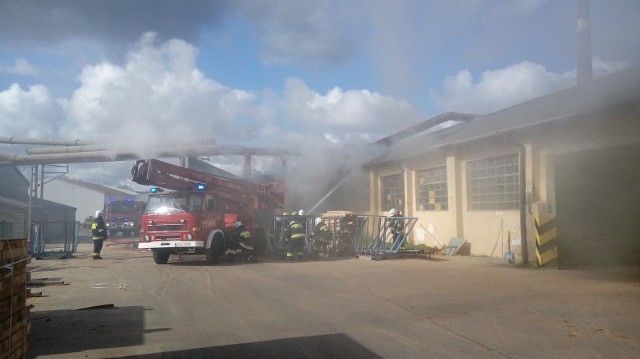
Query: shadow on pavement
68, 331
320, 346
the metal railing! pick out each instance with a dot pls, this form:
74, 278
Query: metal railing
50, 238
356, 235
380, 236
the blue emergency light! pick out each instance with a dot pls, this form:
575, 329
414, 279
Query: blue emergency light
155, 190
201, 187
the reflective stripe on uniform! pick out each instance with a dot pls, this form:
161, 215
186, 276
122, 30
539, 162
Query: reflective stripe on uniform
246, 246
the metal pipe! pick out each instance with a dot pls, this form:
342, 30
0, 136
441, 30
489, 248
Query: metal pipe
125, 155
93, 148
35, 141
523, 206
66, 149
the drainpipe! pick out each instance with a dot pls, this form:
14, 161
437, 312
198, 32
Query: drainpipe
523, 200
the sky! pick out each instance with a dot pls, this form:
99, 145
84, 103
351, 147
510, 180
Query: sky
306, 74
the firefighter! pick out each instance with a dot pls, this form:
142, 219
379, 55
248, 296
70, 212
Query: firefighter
322, 238
99, 234
242, 237
396, 225
296, 241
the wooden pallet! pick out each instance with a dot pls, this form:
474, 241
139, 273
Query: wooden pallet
14, 312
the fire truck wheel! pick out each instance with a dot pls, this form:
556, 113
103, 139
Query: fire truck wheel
214, 252
160, 256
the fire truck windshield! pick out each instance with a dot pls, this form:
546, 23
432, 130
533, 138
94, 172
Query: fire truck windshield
117, 207
174, 203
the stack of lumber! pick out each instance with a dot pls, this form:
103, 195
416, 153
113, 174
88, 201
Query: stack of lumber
14, 313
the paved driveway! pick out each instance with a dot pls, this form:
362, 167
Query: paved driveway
447, 307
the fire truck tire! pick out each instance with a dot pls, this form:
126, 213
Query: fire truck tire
160, 256
214, 252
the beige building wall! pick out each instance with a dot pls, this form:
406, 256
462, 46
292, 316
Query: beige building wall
491, 232
488, 232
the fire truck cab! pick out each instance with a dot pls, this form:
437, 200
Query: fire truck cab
122, 215
197, 215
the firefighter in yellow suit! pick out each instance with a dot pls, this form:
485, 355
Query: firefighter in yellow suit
242, 237
99, 234
297, 239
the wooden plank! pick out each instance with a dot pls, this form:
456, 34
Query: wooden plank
14, 280
6, 244
9, 327
14, 253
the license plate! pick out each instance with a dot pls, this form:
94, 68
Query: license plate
171, 244
184, 244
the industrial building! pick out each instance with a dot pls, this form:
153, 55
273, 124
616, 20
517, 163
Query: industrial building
58, 220
555, 179
86, 197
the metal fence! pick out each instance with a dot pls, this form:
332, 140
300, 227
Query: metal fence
50, 238
352, 235
380, 236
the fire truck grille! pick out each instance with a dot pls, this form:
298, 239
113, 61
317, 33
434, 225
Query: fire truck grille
167, 228
168, 238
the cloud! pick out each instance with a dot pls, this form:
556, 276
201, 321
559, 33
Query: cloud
20, 67
303, 33
498, 89
157, 96
319, 38
31, 113
114, 22
160, 95
602, 67
345, 115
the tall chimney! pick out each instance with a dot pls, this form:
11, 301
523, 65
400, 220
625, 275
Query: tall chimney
585, 71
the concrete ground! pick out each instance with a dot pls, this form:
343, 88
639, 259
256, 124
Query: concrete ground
126, 306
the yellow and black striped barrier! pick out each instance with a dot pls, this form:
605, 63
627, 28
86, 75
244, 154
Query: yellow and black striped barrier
546, 239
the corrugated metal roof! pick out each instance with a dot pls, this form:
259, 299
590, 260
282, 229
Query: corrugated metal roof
609, 91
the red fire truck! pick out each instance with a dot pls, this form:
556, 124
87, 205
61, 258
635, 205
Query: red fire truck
196, 215
122, 215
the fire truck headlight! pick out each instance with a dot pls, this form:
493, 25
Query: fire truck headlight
147, 238
128, 224
189, 236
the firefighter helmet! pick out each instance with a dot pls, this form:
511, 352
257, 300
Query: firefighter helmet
392, 212
292, 223
318, 220
237, 224
294, 213
301, 212
99, 213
